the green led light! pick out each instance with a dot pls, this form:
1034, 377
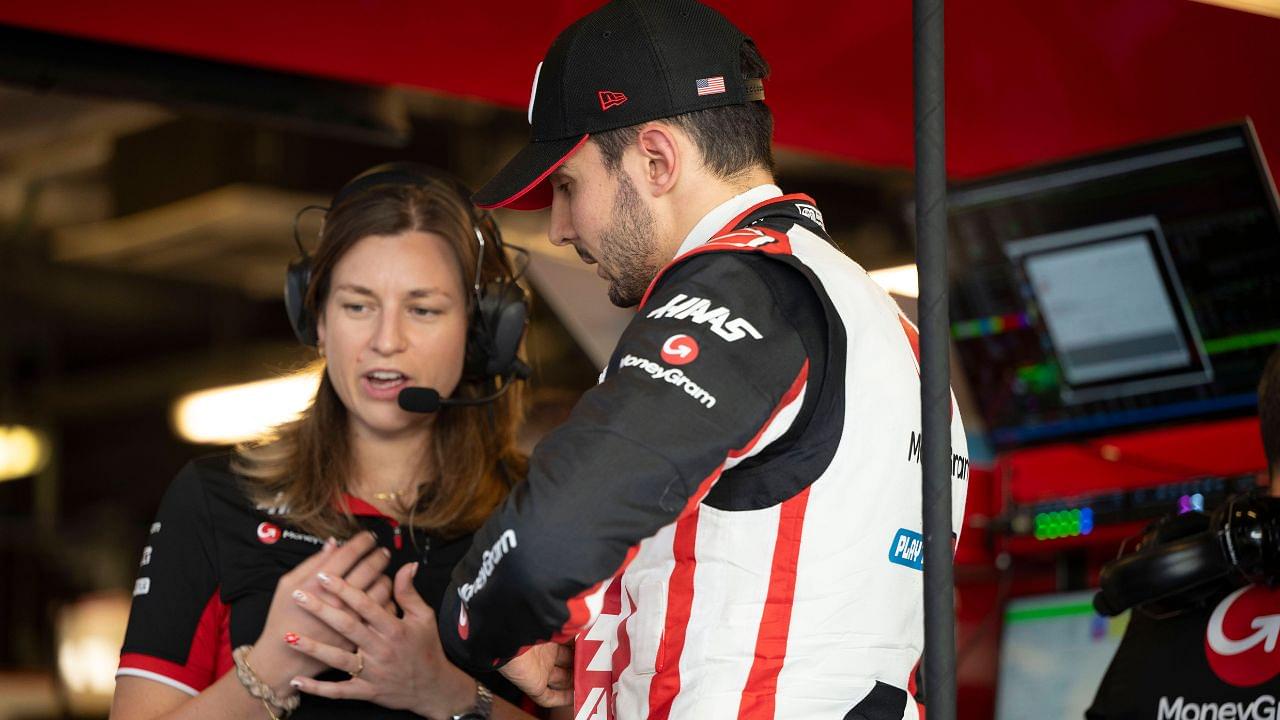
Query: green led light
1242, 342
1057, 524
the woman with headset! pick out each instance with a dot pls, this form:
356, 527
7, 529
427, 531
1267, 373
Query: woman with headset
410, 287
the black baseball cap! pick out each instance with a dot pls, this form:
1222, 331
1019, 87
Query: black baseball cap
627, 63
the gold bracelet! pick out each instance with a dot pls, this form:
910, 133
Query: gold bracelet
259, 689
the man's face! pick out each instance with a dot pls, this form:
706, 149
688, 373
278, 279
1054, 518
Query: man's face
602, 215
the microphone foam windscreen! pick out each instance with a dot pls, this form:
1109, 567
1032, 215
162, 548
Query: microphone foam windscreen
418, 400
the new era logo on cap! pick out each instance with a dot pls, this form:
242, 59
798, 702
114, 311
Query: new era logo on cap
610, 99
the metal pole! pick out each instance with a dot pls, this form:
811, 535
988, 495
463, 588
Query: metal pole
935, 384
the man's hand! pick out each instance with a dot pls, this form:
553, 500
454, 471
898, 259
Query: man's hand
544, 672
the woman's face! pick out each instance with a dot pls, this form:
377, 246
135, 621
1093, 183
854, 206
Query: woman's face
396, 317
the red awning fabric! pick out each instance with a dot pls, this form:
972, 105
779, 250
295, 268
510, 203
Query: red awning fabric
1027, 81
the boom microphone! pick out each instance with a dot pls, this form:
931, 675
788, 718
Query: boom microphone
427, 400
419, 400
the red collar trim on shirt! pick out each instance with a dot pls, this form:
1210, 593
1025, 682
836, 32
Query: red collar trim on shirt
361, 508
733, 224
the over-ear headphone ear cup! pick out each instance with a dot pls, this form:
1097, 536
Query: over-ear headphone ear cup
507, 328
1157, 573
296, 280
496, 330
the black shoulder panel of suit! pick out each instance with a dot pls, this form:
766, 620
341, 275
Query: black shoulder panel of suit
804, 452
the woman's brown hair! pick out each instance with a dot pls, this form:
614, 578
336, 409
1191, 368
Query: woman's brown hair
473, 462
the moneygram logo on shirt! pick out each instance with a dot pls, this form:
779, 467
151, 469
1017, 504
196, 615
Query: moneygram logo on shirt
673, 376
464, 627
269, 534
505, 543
700, 311
680, 350
1240, 640
1262, 707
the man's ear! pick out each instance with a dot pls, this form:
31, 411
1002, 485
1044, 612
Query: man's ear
661, 155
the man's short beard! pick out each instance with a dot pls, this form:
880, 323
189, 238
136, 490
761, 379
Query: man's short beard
627, 246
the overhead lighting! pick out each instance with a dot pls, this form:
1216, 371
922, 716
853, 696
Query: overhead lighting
236, 413
23, 452
1260, 7
901, 280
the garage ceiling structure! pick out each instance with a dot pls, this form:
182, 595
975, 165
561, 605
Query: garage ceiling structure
1027, 82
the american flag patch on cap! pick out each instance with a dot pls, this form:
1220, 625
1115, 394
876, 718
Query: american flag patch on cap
711, 85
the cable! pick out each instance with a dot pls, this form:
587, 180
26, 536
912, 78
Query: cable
297, 217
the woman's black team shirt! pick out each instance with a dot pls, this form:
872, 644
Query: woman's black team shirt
1215, 661
211, 565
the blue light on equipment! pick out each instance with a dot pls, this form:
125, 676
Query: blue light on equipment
1197, 502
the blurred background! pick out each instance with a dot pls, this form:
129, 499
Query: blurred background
146, 203
152, 160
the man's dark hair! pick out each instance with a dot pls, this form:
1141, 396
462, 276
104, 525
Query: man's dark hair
1269, 410
733, 139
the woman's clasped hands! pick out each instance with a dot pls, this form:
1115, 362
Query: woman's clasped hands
396, 662
360, 561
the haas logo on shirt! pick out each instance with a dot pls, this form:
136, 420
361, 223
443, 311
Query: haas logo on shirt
702, 312
1240, 641
269, 534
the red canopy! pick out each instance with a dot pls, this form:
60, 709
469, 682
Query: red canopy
1027, 81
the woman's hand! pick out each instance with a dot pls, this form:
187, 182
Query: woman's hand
400, 663
270, 658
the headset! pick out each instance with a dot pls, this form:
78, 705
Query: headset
1187, 559
501, 309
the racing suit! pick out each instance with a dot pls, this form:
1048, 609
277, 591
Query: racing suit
729, 523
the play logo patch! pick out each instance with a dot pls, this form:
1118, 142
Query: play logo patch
907, 549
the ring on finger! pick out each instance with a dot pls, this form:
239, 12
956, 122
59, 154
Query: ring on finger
359, 665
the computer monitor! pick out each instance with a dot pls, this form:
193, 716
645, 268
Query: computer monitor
1117, 291
1053, 654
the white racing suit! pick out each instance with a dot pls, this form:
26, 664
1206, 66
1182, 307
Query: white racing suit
729, 525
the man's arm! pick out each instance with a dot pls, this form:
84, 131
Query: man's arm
709, 372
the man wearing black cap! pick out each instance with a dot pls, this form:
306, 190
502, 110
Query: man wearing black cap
729, 524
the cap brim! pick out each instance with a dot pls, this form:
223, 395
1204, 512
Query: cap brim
522, 184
